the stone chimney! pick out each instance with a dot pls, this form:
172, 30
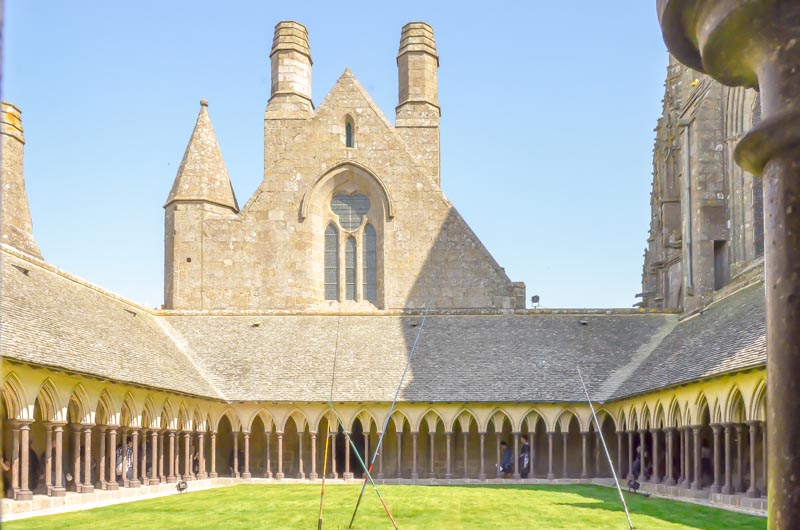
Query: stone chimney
17, 230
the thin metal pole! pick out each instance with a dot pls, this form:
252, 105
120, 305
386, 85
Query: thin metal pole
391, 409
324, 472
605, 448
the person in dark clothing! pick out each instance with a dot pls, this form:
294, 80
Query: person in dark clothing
506, 465
524, 457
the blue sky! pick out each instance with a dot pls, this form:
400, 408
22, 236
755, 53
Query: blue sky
548, 110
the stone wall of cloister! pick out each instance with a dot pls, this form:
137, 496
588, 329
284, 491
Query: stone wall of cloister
706, 435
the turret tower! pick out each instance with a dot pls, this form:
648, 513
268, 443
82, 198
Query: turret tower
201, 191
15, 220
418, 94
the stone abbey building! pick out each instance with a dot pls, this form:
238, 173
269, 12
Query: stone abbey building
347, 255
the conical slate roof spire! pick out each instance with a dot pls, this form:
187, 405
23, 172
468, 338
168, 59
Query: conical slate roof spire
202, 175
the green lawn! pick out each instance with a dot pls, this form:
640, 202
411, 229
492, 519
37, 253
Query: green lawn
297, 506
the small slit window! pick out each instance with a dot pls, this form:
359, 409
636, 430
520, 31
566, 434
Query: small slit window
348, 132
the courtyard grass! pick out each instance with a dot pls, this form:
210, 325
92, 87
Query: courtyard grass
451, 507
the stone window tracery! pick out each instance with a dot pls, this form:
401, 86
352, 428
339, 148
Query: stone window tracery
348, 132
351, 261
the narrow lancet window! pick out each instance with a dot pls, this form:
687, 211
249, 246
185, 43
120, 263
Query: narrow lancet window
348, 133
331, 263
370, 264
350, 269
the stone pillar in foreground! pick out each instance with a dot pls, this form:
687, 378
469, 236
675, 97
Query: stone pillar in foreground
755, 43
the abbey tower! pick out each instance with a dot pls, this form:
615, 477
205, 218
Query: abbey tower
350, 214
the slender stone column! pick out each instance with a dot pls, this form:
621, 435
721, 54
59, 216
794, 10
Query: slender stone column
235, 472
348, 475
752, 491
716, 487
670, 455
497, 447
366, 451
687, 444
161, 474
432, 455
154, 456
380, 457
585, 449
187, 456
101, 460
134, 482
300, 472
597, 442
466, 453
448, 470
268, 474
414, 473
313, 475
642, 459
76, 456
482, 474
15, 459
564, 436
143, 463
333, 456
112, 458
630, 456
550, 474
656, 476
740, 458
516, 474
48, 458
400, 454
88, 484
739, 42
246, 473
279, 475
24, 493
59, 488
201, 456
620, 438
697, 484
727, 489
213, 473
171, 477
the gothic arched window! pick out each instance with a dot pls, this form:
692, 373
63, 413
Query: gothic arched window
331, 263
351, 261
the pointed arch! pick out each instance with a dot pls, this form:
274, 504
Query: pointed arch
130, 416
50, 402
233, 418
464, 416
675, 417
361, 173
198, 419
659, 417
366, 418
184, 418
168, 415
80, 405
266, 419
349, 131
399, 415
499, 415
758, 402
107, 411
149, 417
432, 418
532, 416
298, 417
565, 418
633, 422
602, 414
645, 423
735, 411
14, 397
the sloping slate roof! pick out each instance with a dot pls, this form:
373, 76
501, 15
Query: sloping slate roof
459, 358
729, 335
53, 320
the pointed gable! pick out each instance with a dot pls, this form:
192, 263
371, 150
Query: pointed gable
202, 175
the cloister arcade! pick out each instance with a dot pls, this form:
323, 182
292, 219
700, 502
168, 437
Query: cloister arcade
703, 436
